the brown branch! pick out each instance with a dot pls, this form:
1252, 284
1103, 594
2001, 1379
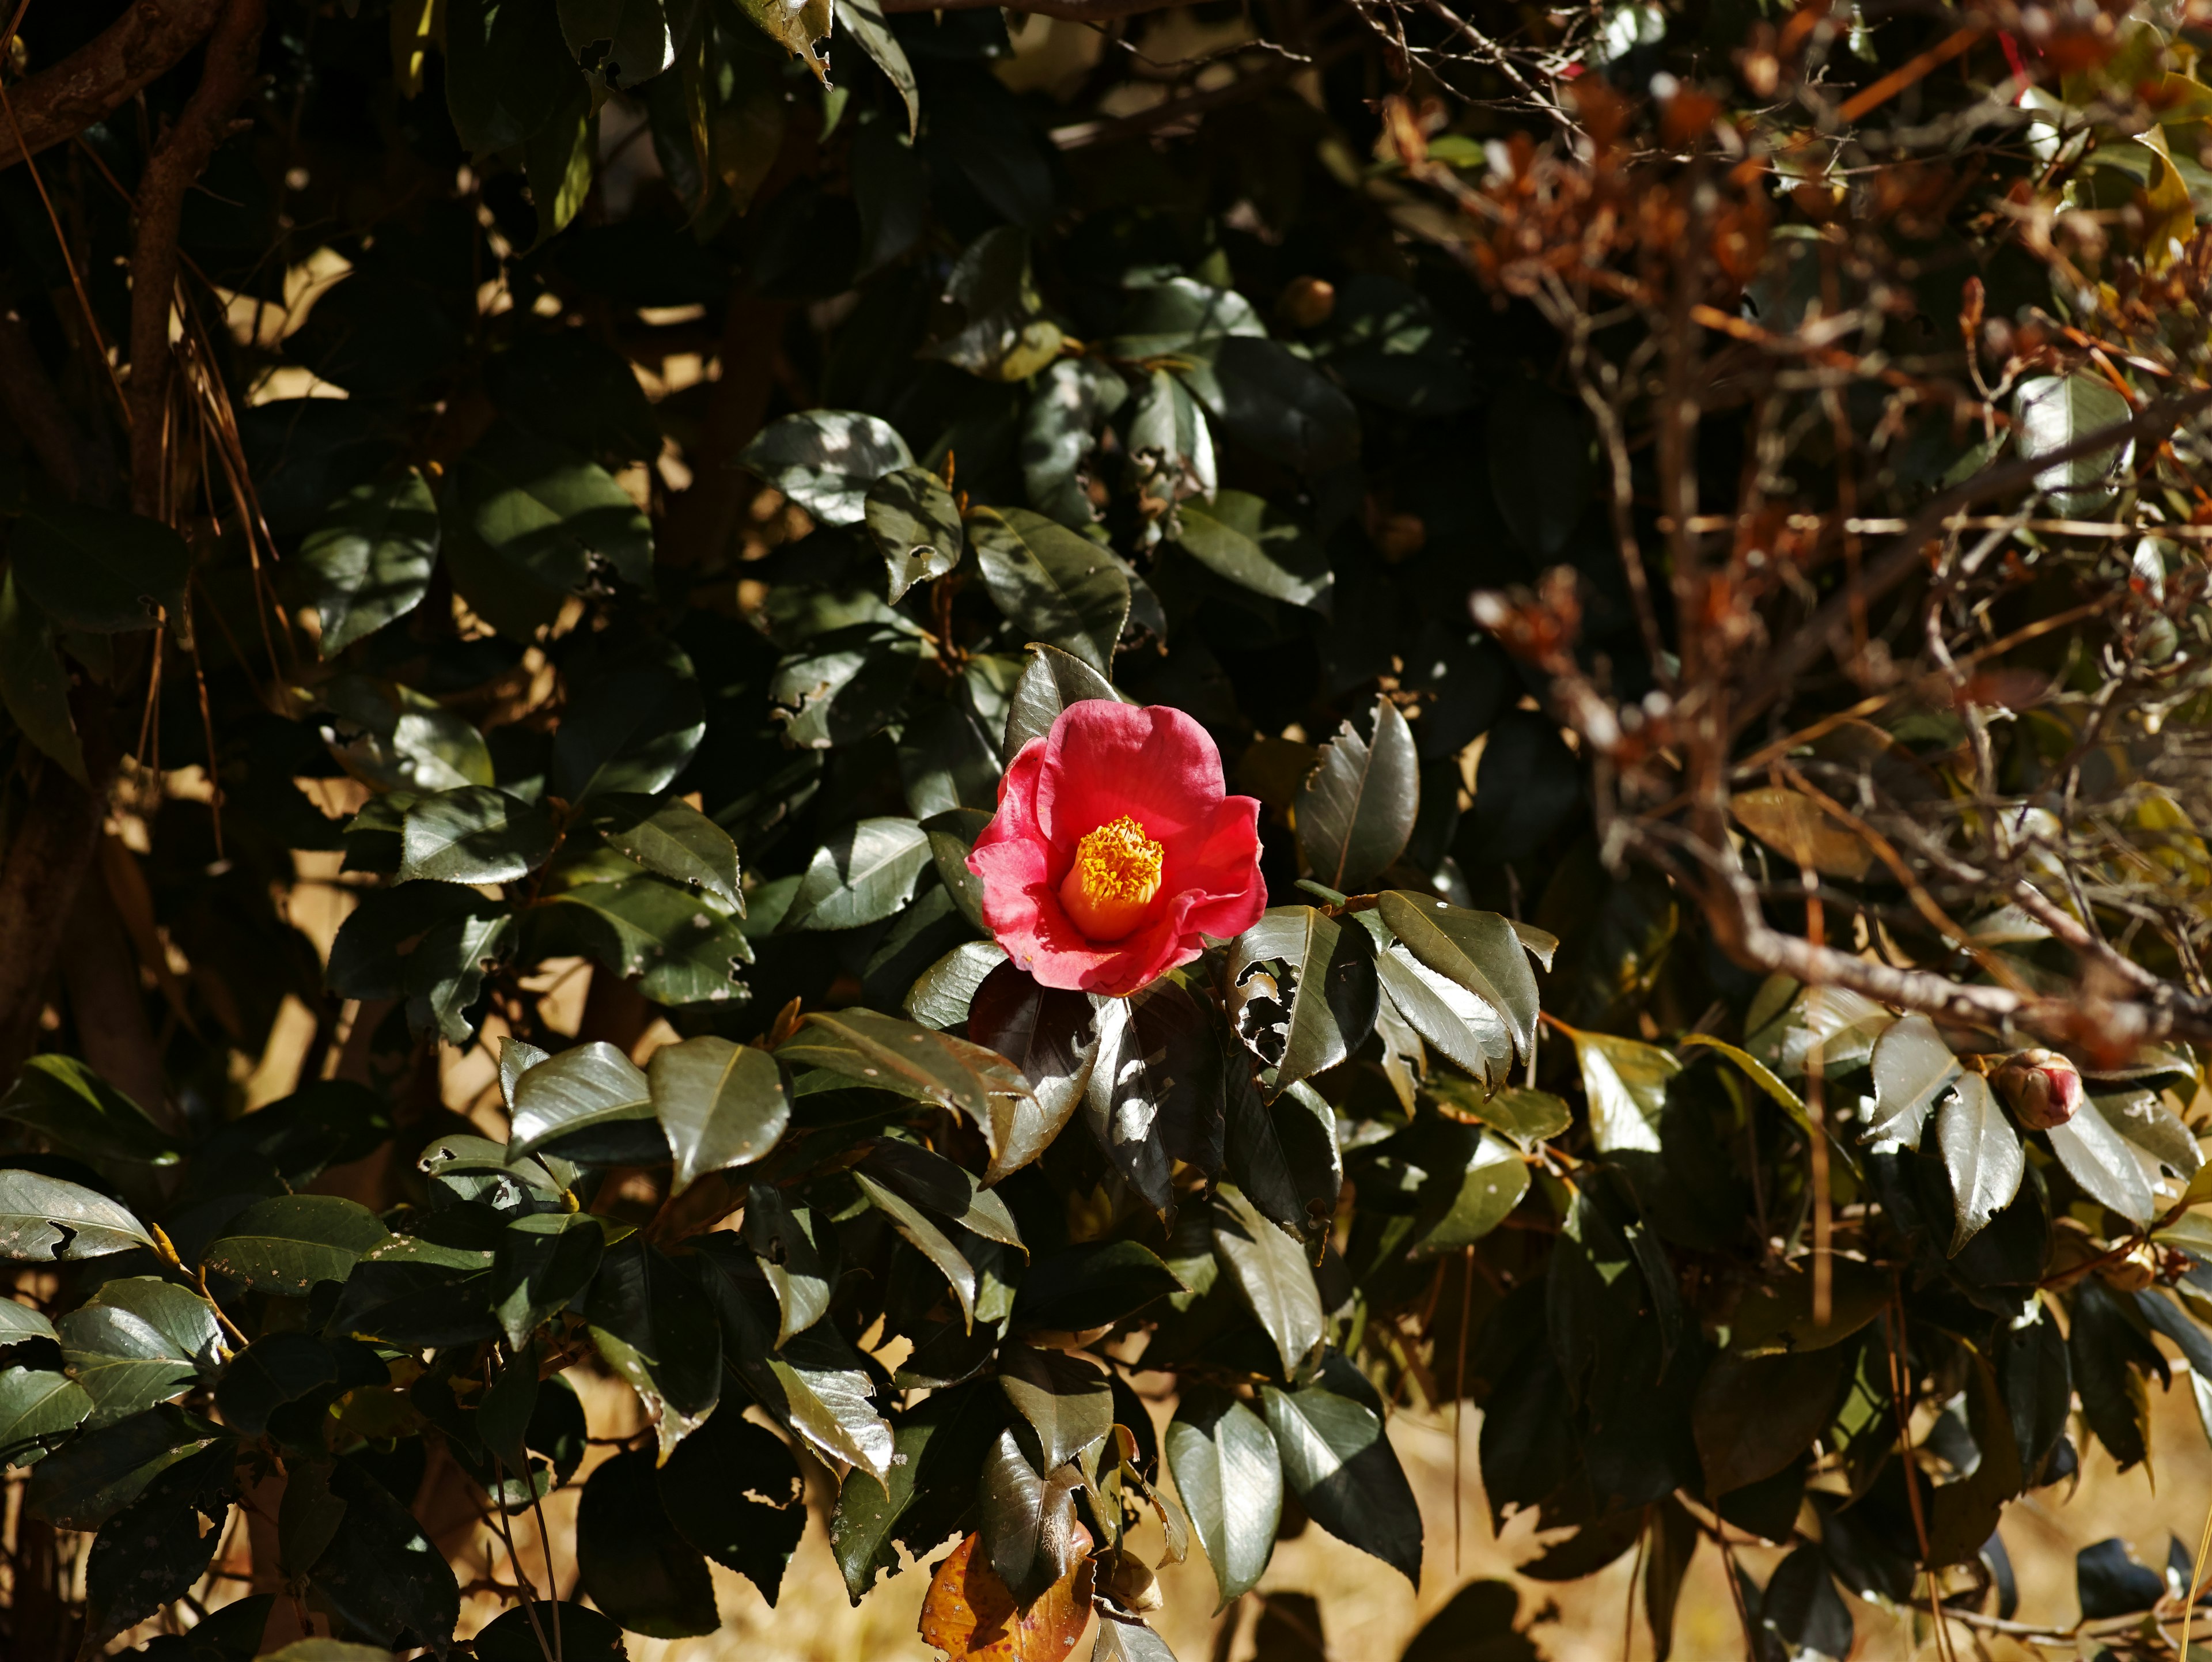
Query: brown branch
148, 39
233, 54
1829, 627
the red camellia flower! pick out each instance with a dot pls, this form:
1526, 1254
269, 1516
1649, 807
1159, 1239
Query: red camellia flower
1114, 849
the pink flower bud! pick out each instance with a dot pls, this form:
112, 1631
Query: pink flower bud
2042, 1087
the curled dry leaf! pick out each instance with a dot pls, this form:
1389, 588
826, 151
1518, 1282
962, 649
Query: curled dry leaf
969, 1613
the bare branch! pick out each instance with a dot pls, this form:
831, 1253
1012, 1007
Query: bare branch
150, 38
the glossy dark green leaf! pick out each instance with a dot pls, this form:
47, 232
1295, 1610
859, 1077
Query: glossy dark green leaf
1982, 1153
1468, 1030
922, 1234
944, 1439
1229, 1477
721, 1105
2051, 412
592, 1088
2102, 1162
89, 1478
445, 972
2109, 1582
733, 1491
890, 1054
1050, 682
1526, 1116
1478, 950
1284, 1154
681, 946
65, 1102
674, 840
1062, 589
1476, 1625
1327, 996
1803, 1608
952, 834
1093, 1284
1123, 1640
585, 1635
474, 834
286, 1245
36, 1403
826, 460
989, 318
1243, 538
797, 1251
1473, 1195
1912, 1066
44, 1219
156, 1549
1343, 1468
630, 730
369, 958
1754, 1416
1067, 405
636, 1564
369, 561
2109, 1354
1047, 1034
625, 43
861, 876
33, 683
99, 569
943, 1187
943, 994
380, 1572
1026, 1518
1156, 1093
1062, 1400
1356, 811
1262, 395
2142, 1119
19, 1322
864, 20
509, 68
276, 1368
915, 523
542, 1261
813, 1383
1269, 1271
138, 1341
529, 510
657, 1330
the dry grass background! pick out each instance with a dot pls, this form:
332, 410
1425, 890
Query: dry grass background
1369, 1611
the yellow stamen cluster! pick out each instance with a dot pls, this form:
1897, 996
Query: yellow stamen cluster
1109, 889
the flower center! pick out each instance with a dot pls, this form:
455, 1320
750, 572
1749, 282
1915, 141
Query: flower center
1110, 886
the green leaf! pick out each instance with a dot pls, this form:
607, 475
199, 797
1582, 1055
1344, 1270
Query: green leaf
952, 834
99, 569
947, 763
1356, 811
34, 683
45, 1219
1067, 405
2101, 1162
592, 1088
1982, 1155
915, 521
380, 1572
943, 994
927, 1238
861, 876
1231, 1478
1284, 1155
89, 1479
71, 1106
153, 1552
795, 28
1262, 395
504, 1410
1625, 1082
826, 460
370, 956
2142, 1119
813, 1383
1062, 1398
543, 1261
657, 1330
897, 1055
1269, 1271
674, 840
685, 948
733, 1491
1527, 1117
1490, 1179
629, 730
585, 1636
2052, 412
140, 1341
625, 43
287, 1243
528, 523
721, 1105
1778, 1316
845, 685
370, 560
1328, 994
1156, 1093
1342, 1467
990, 320
797, 1254
1046, 1034
445, 972
941, 1445
275, 1369
474, 834
506, 71
36, 1403
1481, 951
2109, 1355
1912, 1066
1467, 1029
1243, 538
1049, 683
864, 20
636, 1564
1170, 445
1063, 589
559, 160
19, 1322
1754, 1416
1093, 1284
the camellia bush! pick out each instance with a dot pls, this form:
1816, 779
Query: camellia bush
1241, 719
